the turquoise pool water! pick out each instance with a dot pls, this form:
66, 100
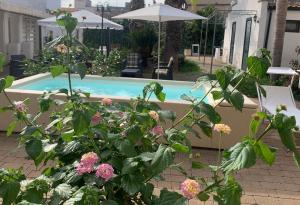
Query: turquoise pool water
108, 87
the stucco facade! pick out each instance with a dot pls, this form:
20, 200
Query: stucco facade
262, 15
19, 33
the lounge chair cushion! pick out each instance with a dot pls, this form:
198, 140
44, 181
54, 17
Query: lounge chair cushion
162, 71
133, 60
131, 72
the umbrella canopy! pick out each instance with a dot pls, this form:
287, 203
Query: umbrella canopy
86, 19
160, 13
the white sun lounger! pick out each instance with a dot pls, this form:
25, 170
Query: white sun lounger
279, 95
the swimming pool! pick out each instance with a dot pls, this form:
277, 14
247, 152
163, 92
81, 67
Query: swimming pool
110, 86
122, 90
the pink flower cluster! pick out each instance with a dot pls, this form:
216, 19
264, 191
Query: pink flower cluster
107, 101
20, 106
96, 119
190, 188
105, 171
158, 130
87, 163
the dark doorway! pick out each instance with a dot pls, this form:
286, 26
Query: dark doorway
232, 42
246, 42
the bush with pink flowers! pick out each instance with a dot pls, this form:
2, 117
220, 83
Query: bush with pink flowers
111, 153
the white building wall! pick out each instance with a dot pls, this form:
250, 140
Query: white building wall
240, 16
291, 40
18, 26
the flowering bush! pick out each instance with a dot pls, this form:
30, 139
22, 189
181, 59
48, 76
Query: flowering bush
110, 153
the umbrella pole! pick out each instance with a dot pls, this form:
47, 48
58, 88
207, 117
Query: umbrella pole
158, 51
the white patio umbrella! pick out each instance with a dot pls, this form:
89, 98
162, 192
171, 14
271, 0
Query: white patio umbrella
86, 19
159, 13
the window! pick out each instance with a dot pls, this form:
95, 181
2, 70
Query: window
28, 28
292, 26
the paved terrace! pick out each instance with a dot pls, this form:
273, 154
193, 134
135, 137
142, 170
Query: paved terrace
263, 185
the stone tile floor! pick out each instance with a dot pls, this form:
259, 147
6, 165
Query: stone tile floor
263, 185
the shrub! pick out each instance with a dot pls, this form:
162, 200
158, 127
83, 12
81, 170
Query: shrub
190, 66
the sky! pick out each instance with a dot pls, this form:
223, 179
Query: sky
122, 2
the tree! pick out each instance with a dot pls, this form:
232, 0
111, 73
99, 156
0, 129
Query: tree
173, 34
280, 24
134, 5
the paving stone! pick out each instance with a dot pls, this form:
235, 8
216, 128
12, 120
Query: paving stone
263, 185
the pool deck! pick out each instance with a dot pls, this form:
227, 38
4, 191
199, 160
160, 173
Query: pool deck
263, 185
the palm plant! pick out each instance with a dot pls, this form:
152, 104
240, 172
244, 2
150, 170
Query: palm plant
134, 5
280, 23
173, 34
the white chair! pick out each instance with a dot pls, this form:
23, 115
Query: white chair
279, 95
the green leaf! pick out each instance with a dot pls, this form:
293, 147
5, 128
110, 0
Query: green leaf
131, 183
257, 66
240, 156
11, 127
264, 152
202, 196
205, 127
81, 69
57, 70
217, 94
236, 99
285, 126
9, 81
198, 165
223, 79
34, 148
147, 192
161, 96
126, 148
210, 112
163, 158
171, 198
2, 62
75, 199
109, 202
33, 196
230, 193
61, 192
81, 121
71, 147
155, 88
134, 133
45, 104
181, 148
9, 192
